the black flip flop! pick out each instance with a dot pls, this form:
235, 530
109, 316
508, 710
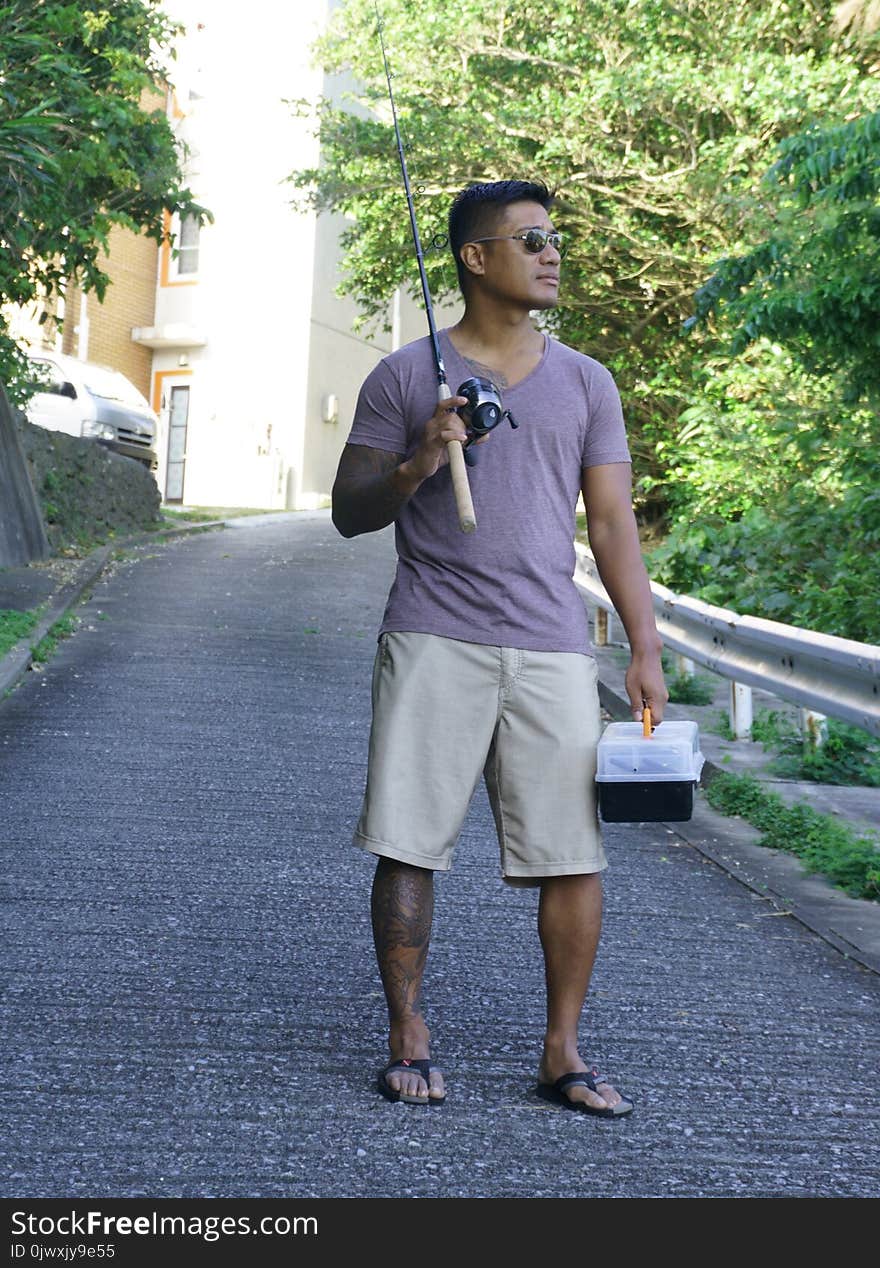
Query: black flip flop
422, 1067
556, 1094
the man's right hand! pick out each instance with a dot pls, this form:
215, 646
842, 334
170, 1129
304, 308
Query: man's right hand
431, 454
372, 485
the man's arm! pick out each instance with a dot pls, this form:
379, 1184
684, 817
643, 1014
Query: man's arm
372, 485
369, 490
614, 540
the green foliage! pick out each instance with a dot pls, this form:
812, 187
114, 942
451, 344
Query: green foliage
79, 153
690, 689
822, 843
775, 507
849, 755
723, 728
807, 563
654, 121
657, 124
813, 281
15, 626
45, 649
685, 688
796, 538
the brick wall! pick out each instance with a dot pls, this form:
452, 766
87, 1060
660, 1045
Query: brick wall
130, 300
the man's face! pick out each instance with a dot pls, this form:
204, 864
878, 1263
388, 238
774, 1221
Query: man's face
507, 269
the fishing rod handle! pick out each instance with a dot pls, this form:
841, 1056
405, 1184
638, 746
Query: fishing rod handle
467, 521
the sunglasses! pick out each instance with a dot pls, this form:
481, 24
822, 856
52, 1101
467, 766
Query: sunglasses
534, 240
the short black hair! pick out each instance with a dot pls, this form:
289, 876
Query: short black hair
475, 212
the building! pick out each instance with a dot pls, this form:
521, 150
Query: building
235, 332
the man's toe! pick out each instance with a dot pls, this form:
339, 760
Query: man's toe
413, 1085
578, 1092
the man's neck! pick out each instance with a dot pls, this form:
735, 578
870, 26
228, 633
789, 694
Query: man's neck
490, 333
504, 351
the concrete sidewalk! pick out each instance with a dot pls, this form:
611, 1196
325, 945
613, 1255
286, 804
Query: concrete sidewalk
192, 1005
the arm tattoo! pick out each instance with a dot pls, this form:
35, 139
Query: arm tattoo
364, 496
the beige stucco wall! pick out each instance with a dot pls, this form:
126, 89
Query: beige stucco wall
340, 358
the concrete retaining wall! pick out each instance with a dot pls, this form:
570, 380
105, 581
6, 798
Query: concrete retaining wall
22, 534
59, 492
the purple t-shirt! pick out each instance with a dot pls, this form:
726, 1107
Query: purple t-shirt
509, 583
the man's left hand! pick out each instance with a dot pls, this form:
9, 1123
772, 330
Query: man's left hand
645, 686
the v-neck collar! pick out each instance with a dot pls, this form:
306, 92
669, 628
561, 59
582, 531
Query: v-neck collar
450, 347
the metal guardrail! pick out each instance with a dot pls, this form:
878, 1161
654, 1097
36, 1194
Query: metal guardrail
829, 676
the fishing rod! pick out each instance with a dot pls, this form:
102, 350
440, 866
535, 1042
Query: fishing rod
464, 505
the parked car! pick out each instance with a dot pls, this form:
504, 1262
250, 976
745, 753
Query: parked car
93, 401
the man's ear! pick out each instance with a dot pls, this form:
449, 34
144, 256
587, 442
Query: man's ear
471, 256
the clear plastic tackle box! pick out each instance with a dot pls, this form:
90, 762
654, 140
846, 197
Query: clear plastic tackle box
647, 779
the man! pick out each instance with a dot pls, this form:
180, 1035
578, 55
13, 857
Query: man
484, 659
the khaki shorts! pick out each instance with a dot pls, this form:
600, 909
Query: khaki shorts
445, 712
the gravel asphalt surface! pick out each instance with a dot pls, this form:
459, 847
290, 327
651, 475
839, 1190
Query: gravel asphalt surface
191, 1006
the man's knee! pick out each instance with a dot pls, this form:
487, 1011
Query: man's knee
391, 867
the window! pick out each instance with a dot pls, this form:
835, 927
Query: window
188, 246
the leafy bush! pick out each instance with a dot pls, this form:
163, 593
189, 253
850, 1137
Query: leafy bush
775, 503
849, 755
15, 626
822, 843
690, 689
773, 486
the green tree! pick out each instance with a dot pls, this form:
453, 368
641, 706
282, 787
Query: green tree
654, 120
79, 153
805, 551
813, 281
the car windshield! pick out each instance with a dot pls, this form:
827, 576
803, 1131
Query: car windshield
112, 386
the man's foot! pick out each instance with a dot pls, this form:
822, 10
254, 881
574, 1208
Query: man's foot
416, 1082
409, 1075
595, 1094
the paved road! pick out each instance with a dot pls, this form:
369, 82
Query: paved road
191, 1007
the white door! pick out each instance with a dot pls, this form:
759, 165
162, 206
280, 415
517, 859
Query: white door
178, 420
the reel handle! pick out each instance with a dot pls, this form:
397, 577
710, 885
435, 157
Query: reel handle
467, 520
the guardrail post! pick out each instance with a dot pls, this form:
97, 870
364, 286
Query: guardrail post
684, 666
602, 627
814, 728
740, 711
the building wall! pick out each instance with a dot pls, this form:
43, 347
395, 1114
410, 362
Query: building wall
342, 357
249, 300
257, 341
341, 353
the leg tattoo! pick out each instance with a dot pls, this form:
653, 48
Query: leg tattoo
402, 909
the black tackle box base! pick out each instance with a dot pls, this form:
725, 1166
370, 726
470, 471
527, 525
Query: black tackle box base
663, 801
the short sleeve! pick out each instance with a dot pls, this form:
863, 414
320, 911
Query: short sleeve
605, 439
379, 416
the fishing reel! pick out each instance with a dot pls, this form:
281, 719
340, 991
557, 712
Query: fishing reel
482, 413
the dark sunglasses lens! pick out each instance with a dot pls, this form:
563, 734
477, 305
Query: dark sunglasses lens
536, 240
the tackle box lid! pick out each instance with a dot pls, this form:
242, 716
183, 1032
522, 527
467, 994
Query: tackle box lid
671, 753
